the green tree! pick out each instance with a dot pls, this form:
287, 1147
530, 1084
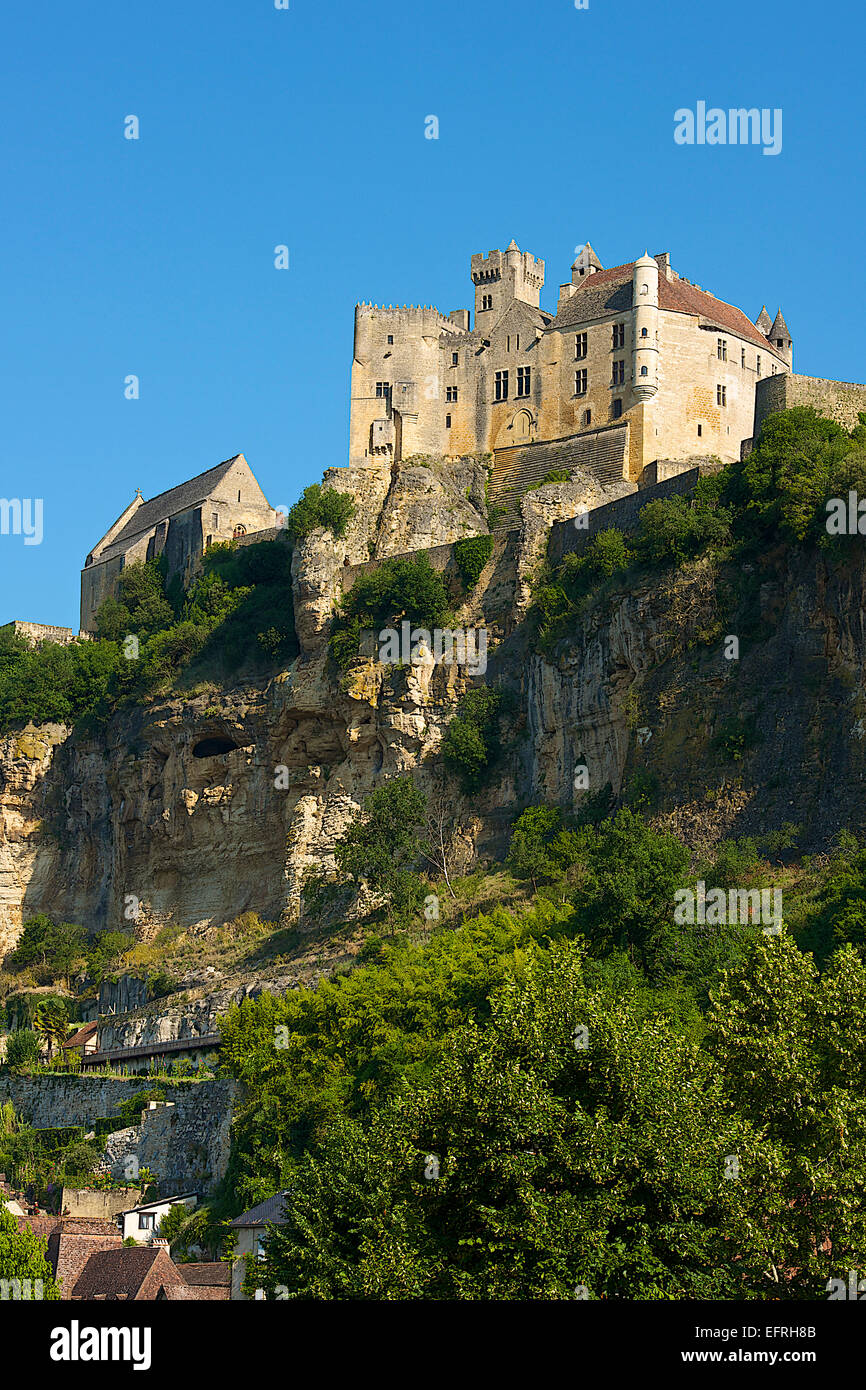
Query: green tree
527, 1167
22, 1257
383, 844
22, 1049
51, 1022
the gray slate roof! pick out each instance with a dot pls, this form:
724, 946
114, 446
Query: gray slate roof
272, 1209
176, 499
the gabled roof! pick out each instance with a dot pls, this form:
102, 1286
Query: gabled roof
82, 1036
175, 500
272, 1210
119, 1274
68, 1254
610, 292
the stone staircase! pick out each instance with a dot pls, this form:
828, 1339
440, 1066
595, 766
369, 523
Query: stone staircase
600, 453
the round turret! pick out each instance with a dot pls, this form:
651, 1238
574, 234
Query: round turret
645, 301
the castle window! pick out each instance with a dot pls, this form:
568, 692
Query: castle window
587, 417
742, 357
447, 422
580, 346
523, 381
616, 410
239, 494
618, 335
215, 521
722, 349
644, 333
487, 301
450, 393
619, 373
644, 289
455, 358
780, 342
758, 368
501, 390
721, 395
700, 430
774, 369
390, 339
208, 542
518, 342
580, 380
644, 371
383, 388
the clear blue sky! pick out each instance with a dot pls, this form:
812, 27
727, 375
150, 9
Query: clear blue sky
306, 127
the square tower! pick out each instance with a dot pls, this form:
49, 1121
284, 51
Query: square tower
502, 277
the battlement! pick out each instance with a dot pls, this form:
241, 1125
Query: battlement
406, 313
505, 275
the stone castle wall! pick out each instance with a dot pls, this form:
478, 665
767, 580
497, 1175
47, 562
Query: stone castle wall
838, 400
621, 515
186, 1144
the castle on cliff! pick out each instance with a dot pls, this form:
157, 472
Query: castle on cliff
639, 375
637, 364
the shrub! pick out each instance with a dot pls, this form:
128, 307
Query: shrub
472, 740
320, 506
471, 555
395, 590
22, 1049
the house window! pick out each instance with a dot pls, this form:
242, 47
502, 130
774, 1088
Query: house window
260, 1249
742, 357
587, 417
146, 1221
722, 349
390, 339
617, 408
580, 346
523, 381
618, 335
721, 395
215, 520
208, 542
501, 390
447, 422
450, 393
455, 358
383, 388
239, 531
619, 373
580, 379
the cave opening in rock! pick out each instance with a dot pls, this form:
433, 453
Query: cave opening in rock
212, 747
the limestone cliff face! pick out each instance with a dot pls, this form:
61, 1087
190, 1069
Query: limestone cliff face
138, 829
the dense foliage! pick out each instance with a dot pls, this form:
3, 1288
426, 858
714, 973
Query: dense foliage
320, 507
396, 590
22, 1256
471, 555
473, 738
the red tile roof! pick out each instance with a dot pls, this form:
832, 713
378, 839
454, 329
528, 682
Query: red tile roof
676, 295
